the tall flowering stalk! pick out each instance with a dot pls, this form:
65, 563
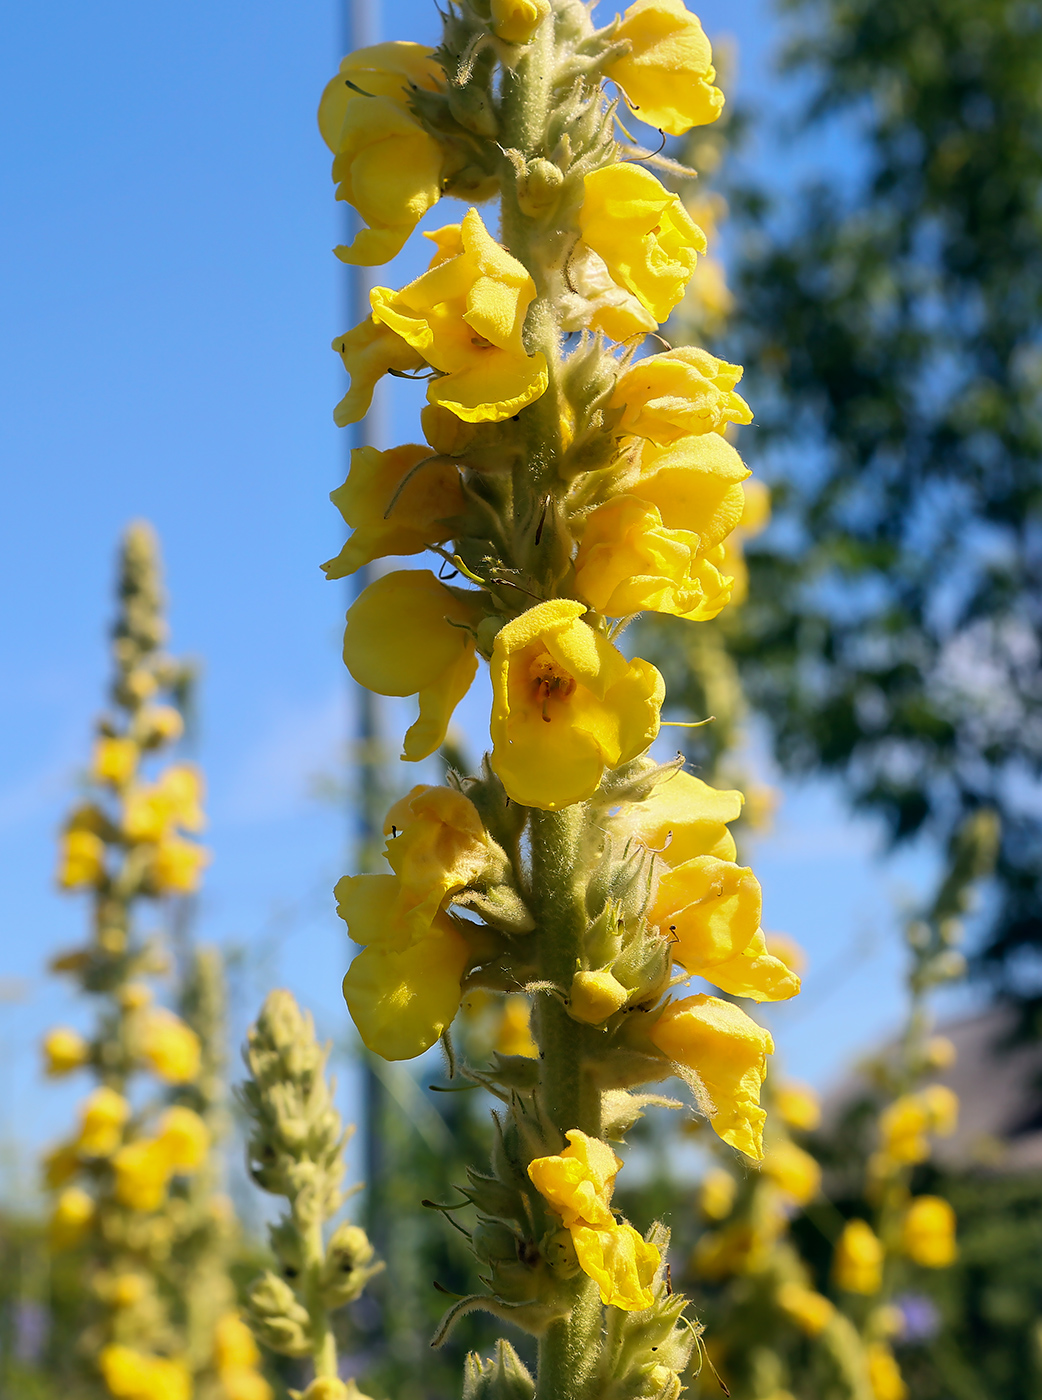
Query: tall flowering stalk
569, 483
124, 1182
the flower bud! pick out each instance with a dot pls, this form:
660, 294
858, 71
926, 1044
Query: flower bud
278, 1319
539, 187
347, 1268
502, 1377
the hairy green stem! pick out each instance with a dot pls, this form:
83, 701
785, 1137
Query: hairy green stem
323, 1348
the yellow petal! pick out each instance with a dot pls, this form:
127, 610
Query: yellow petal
696, 483
667, 77
368, 352
712, 908
678, 394
401, 1001
684, 818
620, 1261
755, 973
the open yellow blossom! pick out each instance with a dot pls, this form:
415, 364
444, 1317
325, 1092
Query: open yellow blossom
407, 634
595, 300
516, 21
594, 996
394, 505
858, 1261
515, 1028
884, 1374
667, 77
64, 1050
439, 846
684, 818
71, 1219
177, 866
566, 705
368, 352
928, 1232
184, 1138
678, 393
696, 483
81, 860
136, 1375
727, 1052
102, 1117
170, 1047
903, 1126
114, 760
798, 1106
716, 1194
142, 1170
465, 316
629, 562
710, 907
236, 1358
384, 162
756, 973
152, 810
647, 239
793, 1171
811, 1311
620, 1262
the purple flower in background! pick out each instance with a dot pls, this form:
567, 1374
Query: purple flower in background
920, 1319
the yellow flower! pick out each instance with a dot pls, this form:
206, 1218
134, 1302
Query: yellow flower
902, 1126
620, 1261
142, 1171
162, 724
150, 811
597, 301
184, 1138
368, 353
756, 973
517, 20
628, 562
177, 866
727, 1051
647, 239
684, 818
667, 77
811, 1312
136, 1375
101, 1122
793, 1171
64, 1050
60, 1165
244, 1383
183, 789
858, 1261
465, 316
696, 483
515, 1030
146, 813
233, 1344
170, 1047
439, 846
942, 1109
444, 431
114, 760
73, 1213
82, 859
798, 1106
928, 1232
716, 1194
678, 393
884, 1374
407, 635
389, 517
385, 164
710, 907
566, 705
594, 996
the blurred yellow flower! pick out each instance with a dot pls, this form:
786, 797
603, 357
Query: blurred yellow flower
696, 483
407, 634
858, 1261
667, 77
71, 1219
678, 393
792, 1170
142, 1170
394, 505
515, 1028
235, 1359
516, 21
643, 233
368, 352
170, 1047
884, 1374
64, 1050
928, 1232
114, 760
942, 1109
902, 1127
798, 1105
136, 1375
81, 859
566, 705
184, 1138
177, 866
102, 1116
727, 1052
161, 724
716, 1194
60, 1165
811, 1311
756, 515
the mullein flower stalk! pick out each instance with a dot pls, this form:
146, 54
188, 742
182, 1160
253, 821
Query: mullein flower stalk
571, 481
122, 1179
295, 1151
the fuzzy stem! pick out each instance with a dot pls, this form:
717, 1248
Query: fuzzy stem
323, 1341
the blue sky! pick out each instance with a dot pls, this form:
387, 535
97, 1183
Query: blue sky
169, 299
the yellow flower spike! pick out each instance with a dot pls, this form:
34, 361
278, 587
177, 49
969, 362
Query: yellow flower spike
928, 1232
594, 996
64, 1050
620, 1261
579, 1181
711, 908
942, 1109
177, 866
727, 1051
465, 316
566, 705
755, 973
441, 846
811, 1311
142, 1170
668, 76
516, 21
696, 483
628, 562
368, 352
81, 860
647, 239
114, 760
402, 999
858, 1261
884, 1374
102, 1117
394, 505
515, 1029
407, 635
716, 1194
184, 1137
171, 1048
74, 1212
793, 1171
136, 1375
678, 393
798, 1106
683, 818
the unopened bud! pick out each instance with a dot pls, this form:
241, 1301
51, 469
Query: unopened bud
539, 187
278, 1319
503, 1377
348, 1266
